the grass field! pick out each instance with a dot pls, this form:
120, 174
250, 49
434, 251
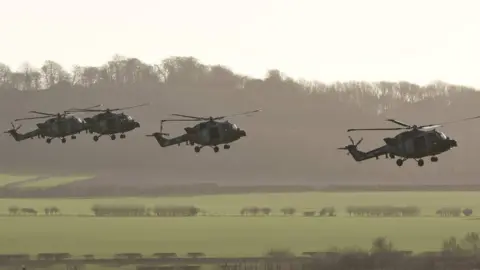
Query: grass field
6, 179
236, 236
54, 181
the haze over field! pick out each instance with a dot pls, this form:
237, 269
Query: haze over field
294, 139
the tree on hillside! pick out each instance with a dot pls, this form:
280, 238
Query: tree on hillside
188, 73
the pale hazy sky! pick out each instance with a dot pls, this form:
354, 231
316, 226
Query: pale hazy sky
415, 40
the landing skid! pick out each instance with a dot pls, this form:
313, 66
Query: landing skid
63, 140
420, 161
113, 137
215, 148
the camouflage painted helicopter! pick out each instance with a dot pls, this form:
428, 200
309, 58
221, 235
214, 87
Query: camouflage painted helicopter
59, 125
210, 132
109, 123
415, 143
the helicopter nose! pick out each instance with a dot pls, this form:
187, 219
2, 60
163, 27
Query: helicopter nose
453, 143
137, 124
242, 133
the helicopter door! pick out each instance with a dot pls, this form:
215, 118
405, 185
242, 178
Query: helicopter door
111, 123
420, 145
214, 134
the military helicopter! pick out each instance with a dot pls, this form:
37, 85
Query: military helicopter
210, 132
415, 143
109, 123
59, 125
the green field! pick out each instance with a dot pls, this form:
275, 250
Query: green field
6, 179
234, 235
54, 181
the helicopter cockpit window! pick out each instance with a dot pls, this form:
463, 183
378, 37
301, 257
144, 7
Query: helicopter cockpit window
432, 136
234, 127
442, 135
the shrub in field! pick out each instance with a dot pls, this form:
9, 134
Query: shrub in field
309, 213
14, 257
119, 210
13, 210
288, 211
51, 210
252, 210
327, 211
128, 256
28, 211
386, 211
174, 211
410, 211
310, 253
188, 267
449, 212
165, 255
348, 249
355, 260
381, 244
470, 244
467, 212
149, 267
280, 253
195, 254
53, 256
265, 210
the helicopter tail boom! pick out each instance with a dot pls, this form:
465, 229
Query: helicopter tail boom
360, 155
164, 142
356, 154
22, 136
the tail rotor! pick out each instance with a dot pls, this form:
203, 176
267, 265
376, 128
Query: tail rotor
14, 129
351, 146
161, 133
161, 129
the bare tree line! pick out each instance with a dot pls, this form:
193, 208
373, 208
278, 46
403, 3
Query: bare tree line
188, 72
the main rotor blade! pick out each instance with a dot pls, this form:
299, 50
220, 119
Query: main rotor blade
358, 129
238, 114
85, 110
96, 106
29, 118
451, 122
189, 116
126, 108
180, 120
42, 113
398, 122
104, 110
430, 127
218, 117
79, 109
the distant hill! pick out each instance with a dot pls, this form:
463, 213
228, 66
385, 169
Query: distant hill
293, 141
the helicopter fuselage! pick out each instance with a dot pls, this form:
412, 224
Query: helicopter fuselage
61, 127
418, 144
214, 133
111, 123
